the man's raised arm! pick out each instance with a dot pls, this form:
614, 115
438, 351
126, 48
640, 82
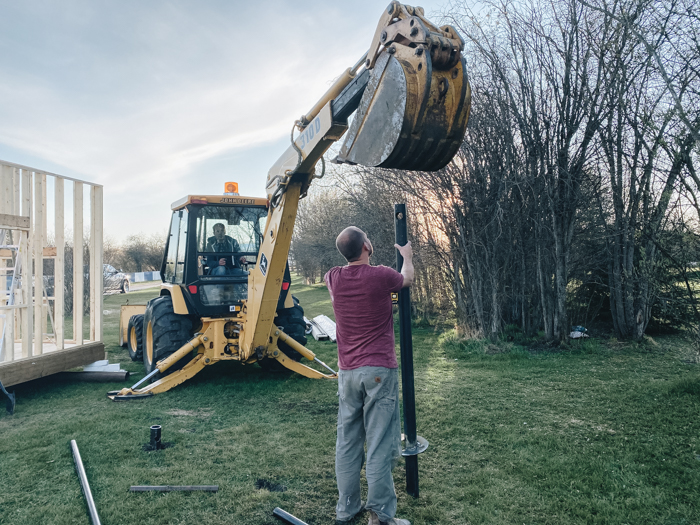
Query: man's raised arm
407, 268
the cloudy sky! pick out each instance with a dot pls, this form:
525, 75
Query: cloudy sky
156, 99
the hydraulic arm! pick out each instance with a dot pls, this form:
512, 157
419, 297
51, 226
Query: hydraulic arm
412, 102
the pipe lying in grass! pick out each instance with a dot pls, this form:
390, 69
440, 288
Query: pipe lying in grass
95, 377
287, 517
174, 488
94, 518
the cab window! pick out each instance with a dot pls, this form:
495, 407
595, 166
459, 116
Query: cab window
229, 232
171, 256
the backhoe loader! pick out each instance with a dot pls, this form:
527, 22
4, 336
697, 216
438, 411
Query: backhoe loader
225, 292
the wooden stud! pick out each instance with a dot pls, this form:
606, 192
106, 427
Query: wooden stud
93, 266
11, 221
6, 217
26, 250
78, 263
59, 269
39, 241
17, 184
96, 280
6, 188
5, 204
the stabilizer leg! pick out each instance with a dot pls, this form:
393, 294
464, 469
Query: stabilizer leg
162, 385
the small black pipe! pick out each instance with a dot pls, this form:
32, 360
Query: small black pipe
155, 437
287, 517
406, 345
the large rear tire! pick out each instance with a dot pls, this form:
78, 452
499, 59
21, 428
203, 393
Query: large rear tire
134, 337
291, 321
164, 332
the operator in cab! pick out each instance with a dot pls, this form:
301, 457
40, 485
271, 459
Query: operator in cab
222, 243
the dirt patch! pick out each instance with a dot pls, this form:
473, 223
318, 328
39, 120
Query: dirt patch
268, 485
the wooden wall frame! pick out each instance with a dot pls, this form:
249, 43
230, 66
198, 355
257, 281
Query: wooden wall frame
34, 208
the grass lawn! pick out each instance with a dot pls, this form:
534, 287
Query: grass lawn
601, 432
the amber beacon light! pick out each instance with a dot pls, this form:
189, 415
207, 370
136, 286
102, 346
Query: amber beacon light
231, 188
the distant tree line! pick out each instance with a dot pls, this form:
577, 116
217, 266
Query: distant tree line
574, 196
138, 253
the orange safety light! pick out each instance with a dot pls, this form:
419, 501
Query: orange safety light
231, 188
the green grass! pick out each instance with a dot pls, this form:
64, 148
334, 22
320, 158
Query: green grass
600, 432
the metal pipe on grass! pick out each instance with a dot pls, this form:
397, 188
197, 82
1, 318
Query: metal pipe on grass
95, 377
174, 488
287, 517
94, 518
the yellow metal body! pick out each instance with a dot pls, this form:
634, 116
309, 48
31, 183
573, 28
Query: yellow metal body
211, 345
175, 292
125, 313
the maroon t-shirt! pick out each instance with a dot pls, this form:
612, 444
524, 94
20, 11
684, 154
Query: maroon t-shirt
361, 297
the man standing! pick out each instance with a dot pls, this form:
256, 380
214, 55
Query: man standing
368, 385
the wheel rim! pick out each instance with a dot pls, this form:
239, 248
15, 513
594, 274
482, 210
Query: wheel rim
133, 341
149, 342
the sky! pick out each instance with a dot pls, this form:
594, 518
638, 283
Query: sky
158, 99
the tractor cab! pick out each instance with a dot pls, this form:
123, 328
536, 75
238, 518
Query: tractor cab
214, 241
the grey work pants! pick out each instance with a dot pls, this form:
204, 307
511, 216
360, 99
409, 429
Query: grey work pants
368, 410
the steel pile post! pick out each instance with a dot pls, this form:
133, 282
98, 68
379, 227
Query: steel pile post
406, 345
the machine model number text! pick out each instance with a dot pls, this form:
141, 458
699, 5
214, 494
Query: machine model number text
310, 132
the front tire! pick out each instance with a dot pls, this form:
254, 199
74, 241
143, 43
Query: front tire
134, 337
164, 332
125, 286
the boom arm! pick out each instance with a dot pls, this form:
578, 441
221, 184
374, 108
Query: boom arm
412, 104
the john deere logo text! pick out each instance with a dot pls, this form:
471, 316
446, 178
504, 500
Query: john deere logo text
229, 200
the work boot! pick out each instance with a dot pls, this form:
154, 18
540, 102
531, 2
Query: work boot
374, 520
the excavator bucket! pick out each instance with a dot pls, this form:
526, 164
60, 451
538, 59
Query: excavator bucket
414, 111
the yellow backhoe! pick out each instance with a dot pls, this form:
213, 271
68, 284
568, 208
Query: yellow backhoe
225, 292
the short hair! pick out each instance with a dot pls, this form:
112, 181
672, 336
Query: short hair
350, 242
219, 224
